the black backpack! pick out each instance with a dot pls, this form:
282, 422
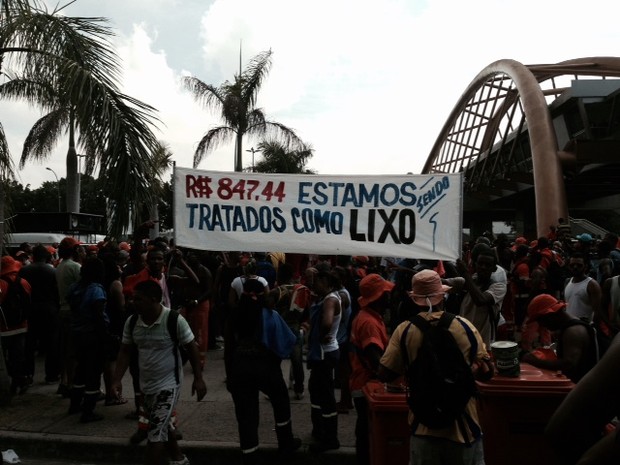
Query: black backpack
177, 350
440, 381
246, 321
16, 305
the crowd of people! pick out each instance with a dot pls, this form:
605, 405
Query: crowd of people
95, 311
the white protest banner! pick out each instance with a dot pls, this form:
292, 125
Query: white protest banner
412, 216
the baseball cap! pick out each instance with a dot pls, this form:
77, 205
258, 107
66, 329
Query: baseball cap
68, 242
372, 287
427, 289
543, 304
584, 237
9, 265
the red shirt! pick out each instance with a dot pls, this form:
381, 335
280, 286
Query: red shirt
4, 286
367, 328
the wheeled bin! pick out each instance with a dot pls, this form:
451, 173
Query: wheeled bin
514, 412
387, 425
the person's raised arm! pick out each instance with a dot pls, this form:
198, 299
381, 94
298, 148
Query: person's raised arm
477, 295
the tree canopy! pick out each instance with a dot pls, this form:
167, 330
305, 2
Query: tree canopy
67, 67
236, 103
277, 159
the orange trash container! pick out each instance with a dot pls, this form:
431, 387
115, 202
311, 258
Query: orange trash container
514, 412
388, 427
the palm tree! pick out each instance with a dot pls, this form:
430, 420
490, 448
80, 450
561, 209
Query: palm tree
162, 159
277, 159
236, 103
67, 67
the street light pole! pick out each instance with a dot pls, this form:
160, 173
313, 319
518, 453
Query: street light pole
79, 180
57, 185
253, 151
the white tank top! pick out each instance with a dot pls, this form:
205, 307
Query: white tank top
577, 300
332, 343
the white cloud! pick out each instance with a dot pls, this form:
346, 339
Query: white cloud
368, 84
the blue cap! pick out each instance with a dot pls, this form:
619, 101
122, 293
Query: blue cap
585, 237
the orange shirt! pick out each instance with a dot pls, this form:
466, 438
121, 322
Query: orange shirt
367, 328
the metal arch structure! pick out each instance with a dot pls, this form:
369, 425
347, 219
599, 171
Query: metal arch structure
501, 134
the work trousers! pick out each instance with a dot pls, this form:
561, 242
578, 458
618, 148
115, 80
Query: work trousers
90, 357
324, 414
246, 378
13, 348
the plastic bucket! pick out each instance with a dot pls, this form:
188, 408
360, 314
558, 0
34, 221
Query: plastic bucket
506, 354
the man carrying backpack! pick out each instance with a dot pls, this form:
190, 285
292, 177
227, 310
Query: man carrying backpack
160, 368
14, 306
444, 422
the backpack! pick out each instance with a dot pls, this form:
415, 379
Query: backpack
246, 321
16, 305
440, 381
177, 350
292, 301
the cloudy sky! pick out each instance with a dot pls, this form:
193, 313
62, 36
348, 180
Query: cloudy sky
368, 84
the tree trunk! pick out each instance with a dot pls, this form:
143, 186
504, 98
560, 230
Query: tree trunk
154, 215
238, 152
73, 181
5, 384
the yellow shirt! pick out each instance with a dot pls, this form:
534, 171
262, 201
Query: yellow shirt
393, 360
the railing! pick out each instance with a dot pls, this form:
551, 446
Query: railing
581, 225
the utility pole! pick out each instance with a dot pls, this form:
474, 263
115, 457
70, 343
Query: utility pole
253, 151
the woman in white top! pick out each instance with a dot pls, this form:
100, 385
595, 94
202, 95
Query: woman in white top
323, 356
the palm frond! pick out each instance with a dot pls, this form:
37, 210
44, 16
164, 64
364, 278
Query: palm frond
277, 159
253, 77
205, 94
44, 135
211, 140
124, 169
30, 90
275, 130
7, 169
40, 42
162, 158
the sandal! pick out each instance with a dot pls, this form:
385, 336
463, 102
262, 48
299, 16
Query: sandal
115, 401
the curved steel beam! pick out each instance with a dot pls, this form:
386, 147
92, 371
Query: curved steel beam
549, 187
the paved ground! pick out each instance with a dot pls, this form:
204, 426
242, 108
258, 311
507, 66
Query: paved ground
36, 425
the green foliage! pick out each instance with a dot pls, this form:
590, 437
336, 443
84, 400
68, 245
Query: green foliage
45, 198
236, 103
67, 67
277, 159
